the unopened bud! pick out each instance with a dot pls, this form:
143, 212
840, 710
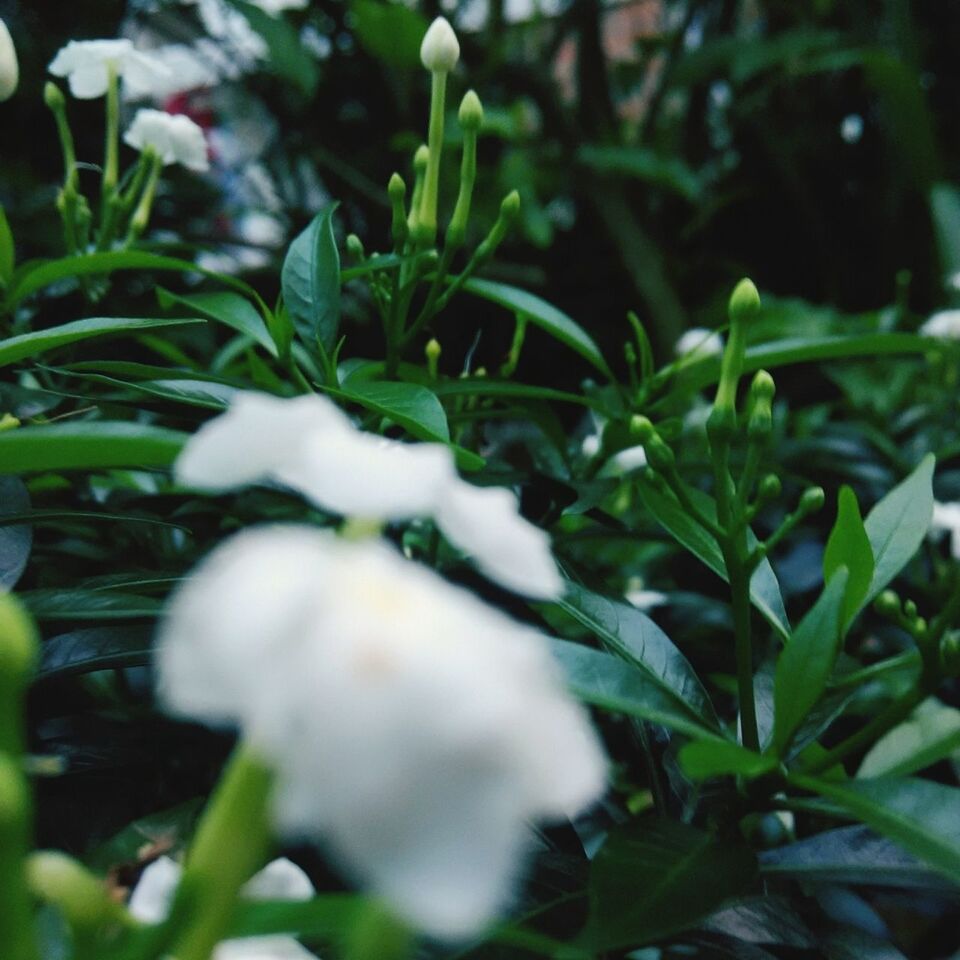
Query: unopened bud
432, 351
910, 609
19, 644
950, 654
396, 188
769, 489
812, 500
471, 111
53, 96
762, 387
510, 206
744, 301
641, 428
888, 604
9, 68
354, 246
440, 49
62, 881
421, 158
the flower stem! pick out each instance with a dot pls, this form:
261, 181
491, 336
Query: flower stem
231, 843
427, 221
378, 935
108, 184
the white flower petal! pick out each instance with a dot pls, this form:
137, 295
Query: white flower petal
9, 67
700, 343
262, 948
186, 69
946, 518
944, 325
281, 879
440, 49
151, 899
175, 138
87, 63
485, 523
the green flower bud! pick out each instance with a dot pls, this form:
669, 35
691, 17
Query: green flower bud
888, 604
396, 188
950, 654
432, 351
812, 500
354, 246
53, 96
769, 489
421, 158
471, 111
641, 428
82, 897
744, 301
8, 422
510, 206
19, 644
762, 387
910, 610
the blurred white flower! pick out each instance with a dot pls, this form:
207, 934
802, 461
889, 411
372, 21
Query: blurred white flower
231, 28
186, 69
640, 597
413, 729
699, 342
87, 64
946, 519
309, 445
175, 137
276, 7
944, 325
440, 49
280, 880
9, 67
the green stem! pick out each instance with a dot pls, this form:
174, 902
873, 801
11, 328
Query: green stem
427, 221
378, 935
141, 216
16, 911
231, 843
108, 184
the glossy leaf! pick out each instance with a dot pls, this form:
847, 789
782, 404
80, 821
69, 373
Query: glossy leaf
541, 314
624, 630
898, 524
94, 648
610, 683
652, 879
31, 344
931, 733
920, 815
230, 309
16, 539
288, 58
311, 283
805, 665
764, 588
88, 605
849, 547
88, 445
701, 760
391, 32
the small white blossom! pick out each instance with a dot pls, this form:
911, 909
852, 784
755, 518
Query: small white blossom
87, 65
152, 898
946, 519
175, 138
700, 343
186, 69
413, 729
944, 325
440, 49
9, 67
309, 445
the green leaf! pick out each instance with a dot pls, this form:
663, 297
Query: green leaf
94, 648
652, 879
610, 683
764, 588
898, 524
645, 165
37, 274
807, 661
327, 917
922, 816
88, 605
88, 445
701, 760
228, 308
544, 315
31, 344
311, 283
848, 546
7, 251
391, 32
626, 631
931, 733
16, 539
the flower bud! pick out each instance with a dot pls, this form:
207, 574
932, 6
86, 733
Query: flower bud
354, 246
471, 111
510, 206
396, 188
888, 604
53, 96
760, 423
440, 50
82, 897
421, 158
769, 489
9, 69
910, 609
641, 428
432, 351
19, 646
744, 301
812, 500
762, 387
950, 654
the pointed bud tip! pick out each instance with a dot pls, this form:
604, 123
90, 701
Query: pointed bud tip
421, 158
510, 206
642, 428
433, 348
813, 500
396, 188
440, 49
53, 95
471, 111
744, 301
763, 387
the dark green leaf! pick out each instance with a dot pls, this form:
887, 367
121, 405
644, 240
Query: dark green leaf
611, 683
30, 344
87, 445
702, 759
94, 648
224, 307
327, 917
898, 524
390, 32
626, 631
764, 588
920, 815
88, 605
807, 661
653, 879
542, 314
931, 733
15, 539
848, 546
643, 164
311, 283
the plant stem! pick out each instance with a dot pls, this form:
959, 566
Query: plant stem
108, 184
378, 935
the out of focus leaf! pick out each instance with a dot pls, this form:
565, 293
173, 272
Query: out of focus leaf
931, 733
16, 539
391, 32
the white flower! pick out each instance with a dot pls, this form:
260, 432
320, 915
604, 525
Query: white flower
946, 519
309, 445
699, 342
280, 880
176, 138
276, 7
186, 69
87, 65
413, 729
944, 325
9, 68
440, 49
638, 596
